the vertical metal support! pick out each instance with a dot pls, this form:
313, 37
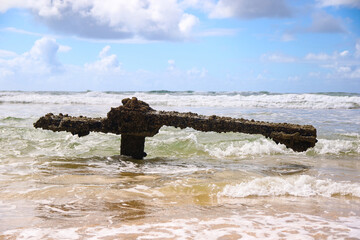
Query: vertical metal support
132, 146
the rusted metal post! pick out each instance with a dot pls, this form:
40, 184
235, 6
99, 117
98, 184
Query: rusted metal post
132, 146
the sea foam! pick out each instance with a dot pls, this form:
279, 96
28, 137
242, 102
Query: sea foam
248, 226
237, 100
337, 146
302, 186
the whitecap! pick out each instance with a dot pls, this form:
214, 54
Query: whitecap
302, 186
337, 146
237, 100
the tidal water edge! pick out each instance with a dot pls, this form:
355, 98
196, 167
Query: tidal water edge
191, 184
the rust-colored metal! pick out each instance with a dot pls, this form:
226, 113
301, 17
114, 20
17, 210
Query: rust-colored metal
135, 120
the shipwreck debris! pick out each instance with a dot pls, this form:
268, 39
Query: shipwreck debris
135, 120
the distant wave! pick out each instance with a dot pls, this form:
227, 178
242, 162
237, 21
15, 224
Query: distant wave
192, 99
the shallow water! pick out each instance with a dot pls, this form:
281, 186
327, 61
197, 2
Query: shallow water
191, 184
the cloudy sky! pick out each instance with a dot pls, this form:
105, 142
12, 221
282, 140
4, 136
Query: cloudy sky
201, 45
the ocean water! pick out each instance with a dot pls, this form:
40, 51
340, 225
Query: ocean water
192, 185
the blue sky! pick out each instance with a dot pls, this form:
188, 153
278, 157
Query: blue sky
208, 45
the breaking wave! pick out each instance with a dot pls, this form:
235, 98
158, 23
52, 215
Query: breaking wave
192, 99
241, 145
170, 143
300, 186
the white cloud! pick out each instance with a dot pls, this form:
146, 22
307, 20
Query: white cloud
205, 5
318, 57
342, 71
7, 54
354, 74
249, 9
171, 65
45, 50
5, 73
286, 37
39, 69
104, 52
187, 22
110, 19
323, 22
106, 64
344, 53
278, 57
336, 3
63, 48
7, 4
327, 57
41, 59
340, 65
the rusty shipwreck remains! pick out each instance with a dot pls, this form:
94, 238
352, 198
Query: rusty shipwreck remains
135, 120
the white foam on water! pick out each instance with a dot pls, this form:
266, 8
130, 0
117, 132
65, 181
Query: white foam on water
6, 207
246, 226
144, 190
302, 186
174, 139
44, 233
247, 145
171, 169
224, 146
162, 167
337, 146
353, 223
177, 138
239, 100
250, 146
246, 148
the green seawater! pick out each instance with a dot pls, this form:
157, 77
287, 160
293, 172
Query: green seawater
192, 185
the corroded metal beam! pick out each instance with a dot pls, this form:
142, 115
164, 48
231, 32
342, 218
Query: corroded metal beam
135, 120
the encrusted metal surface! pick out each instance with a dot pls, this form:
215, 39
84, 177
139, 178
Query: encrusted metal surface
136, 118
